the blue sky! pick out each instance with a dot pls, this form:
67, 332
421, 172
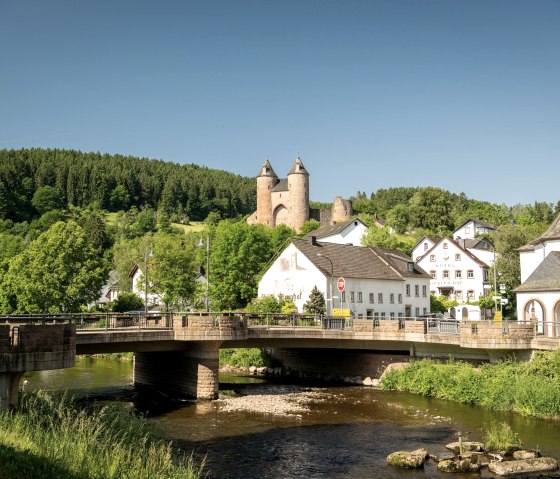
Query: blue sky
372, 94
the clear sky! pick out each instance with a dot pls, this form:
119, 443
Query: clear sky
464, 95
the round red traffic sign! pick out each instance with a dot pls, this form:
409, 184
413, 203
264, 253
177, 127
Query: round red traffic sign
340, 284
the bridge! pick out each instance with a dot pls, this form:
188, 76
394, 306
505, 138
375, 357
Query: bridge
178, 352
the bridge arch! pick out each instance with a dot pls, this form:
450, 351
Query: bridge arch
534, 310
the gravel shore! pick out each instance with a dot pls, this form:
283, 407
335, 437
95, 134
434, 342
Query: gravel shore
293, 404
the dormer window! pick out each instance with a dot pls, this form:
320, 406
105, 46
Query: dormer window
410, 266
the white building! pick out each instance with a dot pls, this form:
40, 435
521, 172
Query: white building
473, 228
138, 288
538, 296
109, 291
346, 232
379, 283
457, 273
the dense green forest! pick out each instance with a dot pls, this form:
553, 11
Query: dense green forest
116, 182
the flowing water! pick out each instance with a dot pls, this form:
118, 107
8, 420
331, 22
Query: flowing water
347, 432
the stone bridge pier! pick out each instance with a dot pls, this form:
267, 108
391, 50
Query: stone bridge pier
32, 347
192, 372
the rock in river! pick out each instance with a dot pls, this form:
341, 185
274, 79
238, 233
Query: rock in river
408, 459
508, 468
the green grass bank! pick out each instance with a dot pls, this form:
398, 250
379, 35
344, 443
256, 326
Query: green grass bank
52, 437
529, 388
244, 358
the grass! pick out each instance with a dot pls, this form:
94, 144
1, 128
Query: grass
192, 227
499, 436
529, 388
51, 437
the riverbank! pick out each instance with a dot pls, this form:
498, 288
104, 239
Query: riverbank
50, 436
528, 388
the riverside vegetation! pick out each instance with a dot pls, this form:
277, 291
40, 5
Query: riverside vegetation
529, 388
51, 436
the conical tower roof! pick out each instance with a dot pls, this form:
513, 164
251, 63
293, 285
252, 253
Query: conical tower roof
266, 170
298, 168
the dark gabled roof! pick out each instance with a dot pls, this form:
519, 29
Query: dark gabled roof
329, 230
546, 277
463, 250
266, 170
552, 233
282, 185
478, 222
298, 168
472, 243
357, 261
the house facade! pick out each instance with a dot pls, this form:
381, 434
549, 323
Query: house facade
472, 228
346, 232
379, 283
457, 274
538, 296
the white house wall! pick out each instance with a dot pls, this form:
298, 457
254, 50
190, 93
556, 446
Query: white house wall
294, 275
352, 234
545, 304
530, 260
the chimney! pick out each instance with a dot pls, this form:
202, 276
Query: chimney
313, 240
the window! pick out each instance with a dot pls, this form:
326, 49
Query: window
343, 297
459, 294
433, 274
369, 313
458, 274
376, 316
380, 298
457, 257
360, 297
432, 257
416, 290
410, 266
400, 315
392, 298
417, 311
425, 311
470, 274
392, 315
352, 299
382, 315
470, 294
445, 274
360, 316
408, 290
424, 291
485, 274
371, 296
467, 230
400, 298
444, 245
426, 246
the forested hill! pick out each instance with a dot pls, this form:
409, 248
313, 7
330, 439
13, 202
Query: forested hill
116, 182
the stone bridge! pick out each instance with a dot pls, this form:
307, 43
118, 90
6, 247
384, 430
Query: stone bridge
178, 353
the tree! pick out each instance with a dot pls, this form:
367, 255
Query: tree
126, 301
47, 198
309, 226
431, 208
58, 272
316, 302
239, 252
398, 218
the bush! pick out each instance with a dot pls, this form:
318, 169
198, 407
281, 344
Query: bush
498, 436
244, 358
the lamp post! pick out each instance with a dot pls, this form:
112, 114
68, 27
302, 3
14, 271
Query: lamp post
201, 245
146, 255
330, 280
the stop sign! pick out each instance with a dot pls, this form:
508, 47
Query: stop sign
340, 284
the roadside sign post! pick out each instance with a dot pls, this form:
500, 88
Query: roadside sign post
341, 285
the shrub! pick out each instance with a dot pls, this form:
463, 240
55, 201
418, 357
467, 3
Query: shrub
498, 436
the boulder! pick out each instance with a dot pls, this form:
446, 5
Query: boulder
367, 381
261, 371
526, 454
523, 466
459, 464
375, 383
471, 446
408, 459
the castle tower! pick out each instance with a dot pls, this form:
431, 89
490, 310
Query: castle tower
341, 210
298, 186
266, 181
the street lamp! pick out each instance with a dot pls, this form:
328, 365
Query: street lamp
330, 280
146, 255
201, 245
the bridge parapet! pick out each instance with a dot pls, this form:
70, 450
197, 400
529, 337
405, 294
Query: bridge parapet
512, 330
192, 327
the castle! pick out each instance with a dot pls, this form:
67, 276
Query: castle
286, 201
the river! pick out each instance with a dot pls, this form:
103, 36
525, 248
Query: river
346, 432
